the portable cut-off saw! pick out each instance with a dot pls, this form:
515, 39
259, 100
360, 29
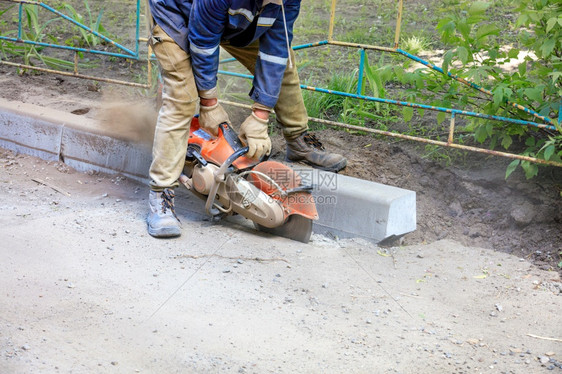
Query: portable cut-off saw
268, 193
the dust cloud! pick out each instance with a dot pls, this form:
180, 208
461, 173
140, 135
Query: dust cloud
130, 120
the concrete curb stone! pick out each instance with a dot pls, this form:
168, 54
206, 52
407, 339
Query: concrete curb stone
348, 207
78, 141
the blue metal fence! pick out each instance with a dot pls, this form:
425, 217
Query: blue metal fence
124, 52
134, 54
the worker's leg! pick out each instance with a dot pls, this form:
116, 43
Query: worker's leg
179, 101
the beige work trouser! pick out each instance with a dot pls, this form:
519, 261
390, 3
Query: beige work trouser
179, 103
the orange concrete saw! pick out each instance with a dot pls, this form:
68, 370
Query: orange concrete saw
268, 193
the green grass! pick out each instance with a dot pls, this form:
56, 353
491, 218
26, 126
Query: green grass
323, 105
416, 44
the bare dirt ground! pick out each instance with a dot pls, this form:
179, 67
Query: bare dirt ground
85, 289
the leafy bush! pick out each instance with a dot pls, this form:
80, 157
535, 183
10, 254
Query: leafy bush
515, 57
479, 53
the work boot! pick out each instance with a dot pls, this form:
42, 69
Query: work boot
162, 220
307, 148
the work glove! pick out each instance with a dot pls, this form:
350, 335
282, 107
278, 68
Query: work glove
253, 133
210, 117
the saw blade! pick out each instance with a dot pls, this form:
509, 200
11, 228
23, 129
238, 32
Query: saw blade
296, 227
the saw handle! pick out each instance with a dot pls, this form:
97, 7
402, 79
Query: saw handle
219, 178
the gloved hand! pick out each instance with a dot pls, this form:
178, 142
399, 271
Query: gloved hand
253, 133
210, 117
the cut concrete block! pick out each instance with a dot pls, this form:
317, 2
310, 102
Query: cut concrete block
351, 207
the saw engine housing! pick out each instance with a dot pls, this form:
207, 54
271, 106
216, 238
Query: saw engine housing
268, 193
